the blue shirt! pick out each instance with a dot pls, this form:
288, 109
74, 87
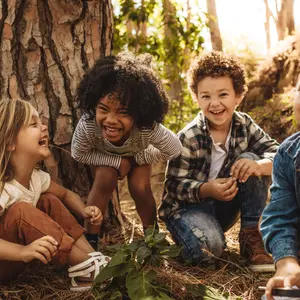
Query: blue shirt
280, 225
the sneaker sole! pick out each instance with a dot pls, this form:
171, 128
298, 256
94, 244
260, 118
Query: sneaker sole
262, 268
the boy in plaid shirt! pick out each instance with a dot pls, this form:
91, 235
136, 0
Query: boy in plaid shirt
223, 171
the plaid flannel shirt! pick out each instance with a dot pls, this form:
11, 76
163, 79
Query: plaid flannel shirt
187, 172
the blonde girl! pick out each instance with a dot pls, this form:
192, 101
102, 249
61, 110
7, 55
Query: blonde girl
34, 223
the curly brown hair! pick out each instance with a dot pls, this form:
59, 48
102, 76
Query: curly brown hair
217, 64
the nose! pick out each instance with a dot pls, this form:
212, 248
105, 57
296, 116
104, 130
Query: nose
44, 127
111, 118
215, 101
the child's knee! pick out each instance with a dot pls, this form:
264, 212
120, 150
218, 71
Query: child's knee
202, 246
106, 178
199, 243
21, 210
255, 183
19, 213
48, 199
139, 186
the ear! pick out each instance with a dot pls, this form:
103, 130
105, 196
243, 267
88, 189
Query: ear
239, 99
11, 147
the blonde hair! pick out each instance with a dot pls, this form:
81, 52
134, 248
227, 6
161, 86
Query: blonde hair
14, 114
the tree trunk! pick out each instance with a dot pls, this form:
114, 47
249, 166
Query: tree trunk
290, 16
267, 24
281, 22
213, 26
172, 70
45, 48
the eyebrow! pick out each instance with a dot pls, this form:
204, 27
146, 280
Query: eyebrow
207, 92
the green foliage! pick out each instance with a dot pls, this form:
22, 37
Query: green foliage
207, 292
163, 29
130, 269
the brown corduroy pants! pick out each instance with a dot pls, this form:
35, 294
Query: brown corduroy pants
23, 223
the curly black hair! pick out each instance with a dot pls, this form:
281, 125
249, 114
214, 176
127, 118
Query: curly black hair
129, 79
217, 64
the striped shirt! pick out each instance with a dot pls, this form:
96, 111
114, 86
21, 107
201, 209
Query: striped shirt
146, 145
187, 172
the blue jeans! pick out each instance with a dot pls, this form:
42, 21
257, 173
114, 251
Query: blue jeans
200, 227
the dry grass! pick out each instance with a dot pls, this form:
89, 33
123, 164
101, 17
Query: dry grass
228, 273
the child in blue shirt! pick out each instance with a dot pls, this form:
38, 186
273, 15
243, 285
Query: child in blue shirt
280, 226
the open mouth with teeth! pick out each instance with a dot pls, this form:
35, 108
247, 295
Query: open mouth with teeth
111, 131
43, 142
217, 112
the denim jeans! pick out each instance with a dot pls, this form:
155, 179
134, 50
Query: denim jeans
200, 227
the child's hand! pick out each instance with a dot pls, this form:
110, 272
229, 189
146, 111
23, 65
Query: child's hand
42, 249
124, 168
93, 214
223, 189
287, 275
243, 168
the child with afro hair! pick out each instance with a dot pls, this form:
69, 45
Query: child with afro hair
223, 170
120, 132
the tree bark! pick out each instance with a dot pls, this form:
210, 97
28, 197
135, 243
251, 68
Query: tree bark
213, 26
290, 16
45, 48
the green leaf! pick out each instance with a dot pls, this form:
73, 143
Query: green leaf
116, 295
134, 246
154, 260
163, 296
118, 258
142, 253
115, 247
150, 231
159, 237
114, 271
138, 284
206, 292
171, 251
101, 296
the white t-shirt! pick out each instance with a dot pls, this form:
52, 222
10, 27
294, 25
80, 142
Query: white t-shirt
218, 155
14, 191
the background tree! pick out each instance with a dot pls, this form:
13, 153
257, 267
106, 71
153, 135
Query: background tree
284, 19
267, 24
45, 48
213, 25
290, 16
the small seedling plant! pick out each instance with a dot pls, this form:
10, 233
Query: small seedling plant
130, 269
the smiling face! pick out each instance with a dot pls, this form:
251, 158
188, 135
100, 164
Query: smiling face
32, 140
114, 120
218, 100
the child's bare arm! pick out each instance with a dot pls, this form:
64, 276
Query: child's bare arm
42, 249
74, 203
69, 198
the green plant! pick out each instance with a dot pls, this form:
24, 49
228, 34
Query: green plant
131, 272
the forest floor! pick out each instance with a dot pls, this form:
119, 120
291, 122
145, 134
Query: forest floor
228, 274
